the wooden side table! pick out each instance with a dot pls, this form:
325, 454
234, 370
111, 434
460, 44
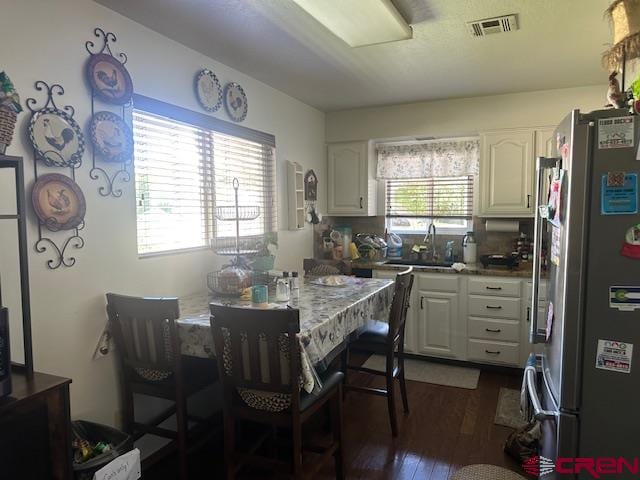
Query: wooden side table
35, 428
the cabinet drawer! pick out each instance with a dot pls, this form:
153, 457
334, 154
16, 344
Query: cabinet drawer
502, 287
495, 307
493, 329
438, 282
493, 352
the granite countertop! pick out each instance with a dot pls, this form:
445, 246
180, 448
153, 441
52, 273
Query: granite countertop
471, 269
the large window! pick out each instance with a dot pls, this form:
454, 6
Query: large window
447, 202
184, 170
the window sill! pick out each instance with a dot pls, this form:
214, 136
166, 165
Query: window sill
178, 251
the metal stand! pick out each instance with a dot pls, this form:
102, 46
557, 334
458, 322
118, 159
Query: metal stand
15, 163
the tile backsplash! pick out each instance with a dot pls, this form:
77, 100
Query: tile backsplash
488, 242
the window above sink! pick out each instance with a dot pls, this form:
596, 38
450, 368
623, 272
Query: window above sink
447, 202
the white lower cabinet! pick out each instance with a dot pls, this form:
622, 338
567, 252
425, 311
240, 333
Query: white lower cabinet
439, 329
438, 332
476, 318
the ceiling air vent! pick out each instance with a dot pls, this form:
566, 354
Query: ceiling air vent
488, 26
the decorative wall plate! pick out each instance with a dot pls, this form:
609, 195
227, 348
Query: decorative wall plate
208, 90
58, 202
235, 102
111, 137
109, 79
56, 138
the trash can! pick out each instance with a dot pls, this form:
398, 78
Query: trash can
94, 433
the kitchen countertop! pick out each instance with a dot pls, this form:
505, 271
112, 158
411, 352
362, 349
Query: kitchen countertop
471, 269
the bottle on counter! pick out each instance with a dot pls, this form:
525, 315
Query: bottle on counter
283, 288
469, 248
294, 285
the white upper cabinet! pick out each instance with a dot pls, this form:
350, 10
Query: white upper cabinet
507, 170
545, 144
506, 173
351, 184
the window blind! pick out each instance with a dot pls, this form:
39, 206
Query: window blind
171, 184
253, 165
183, 171
433, 197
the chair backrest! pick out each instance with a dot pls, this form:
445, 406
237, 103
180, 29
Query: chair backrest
144, 331
400, 304
260, 350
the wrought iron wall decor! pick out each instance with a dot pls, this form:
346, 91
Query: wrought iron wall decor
110, 83
62, 141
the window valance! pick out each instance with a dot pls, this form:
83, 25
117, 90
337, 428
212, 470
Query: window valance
438, 158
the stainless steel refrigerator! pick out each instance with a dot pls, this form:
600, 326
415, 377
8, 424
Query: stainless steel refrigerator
584, 387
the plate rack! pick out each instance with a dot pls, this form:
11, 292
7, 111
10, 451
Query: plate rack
122, 175
44, 243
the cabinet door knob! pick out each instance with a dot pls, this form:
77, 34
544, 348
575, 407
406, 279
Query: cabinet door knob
528, 314
491, 352
529, 201
361, 202
421, 303
497, 330
493, 288
494, 307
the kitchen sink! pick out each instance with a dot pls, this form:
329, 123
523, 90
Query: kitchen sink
419, 263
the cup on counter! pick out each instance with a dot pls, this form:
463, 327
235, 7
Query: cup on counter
260, 296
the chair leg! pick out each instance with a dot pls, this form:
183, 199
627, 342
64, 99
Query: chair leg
297, 449
336, 420
403, 384
390, 396
183, 431
345, 368
128, 415
229, 445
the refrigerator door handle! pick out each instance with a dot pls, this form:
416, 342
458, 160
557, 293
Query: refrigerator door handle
530, 378
542, 163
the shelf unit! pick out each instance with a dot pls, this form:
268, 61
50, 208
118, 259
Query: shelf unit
295, 189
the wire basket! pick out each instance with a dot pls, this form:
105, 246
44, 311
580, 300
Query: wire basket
241, 212
229, 282
7, 126
234, 246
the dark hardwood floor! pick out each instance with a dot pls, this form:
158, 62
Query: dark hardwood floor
446, 429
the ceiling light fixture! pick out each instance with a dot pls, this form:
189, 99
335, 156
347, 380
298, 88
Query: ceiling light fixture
359, 22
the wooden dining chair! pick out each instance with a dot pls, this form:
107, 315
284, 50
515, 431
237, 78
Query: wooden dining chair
260, 372
151, 364
385, 338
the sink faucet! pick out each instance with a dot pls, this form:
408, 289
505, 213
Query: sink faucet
430, 240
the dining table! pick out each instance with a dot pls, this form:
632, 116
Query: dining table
329, 315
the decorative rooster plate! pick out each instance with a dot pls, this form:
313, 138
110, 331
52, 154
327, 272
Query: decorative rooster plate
111, 137
58, 202
235, 102
109, 79
56, 138
208, 90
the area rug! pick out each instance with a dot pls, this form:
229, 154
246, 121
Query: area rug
508, 409
431, 372
485, 472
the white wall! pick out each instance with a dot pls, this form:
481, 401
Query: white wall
44, 39
463, 116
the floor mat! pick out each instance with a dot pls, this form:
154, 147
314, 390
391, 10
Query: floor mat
508, 409
431, 372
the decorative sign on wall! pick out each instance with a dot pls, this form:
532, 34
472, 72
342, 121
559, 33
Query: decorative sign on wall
57, 199
111, 137
311, 197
